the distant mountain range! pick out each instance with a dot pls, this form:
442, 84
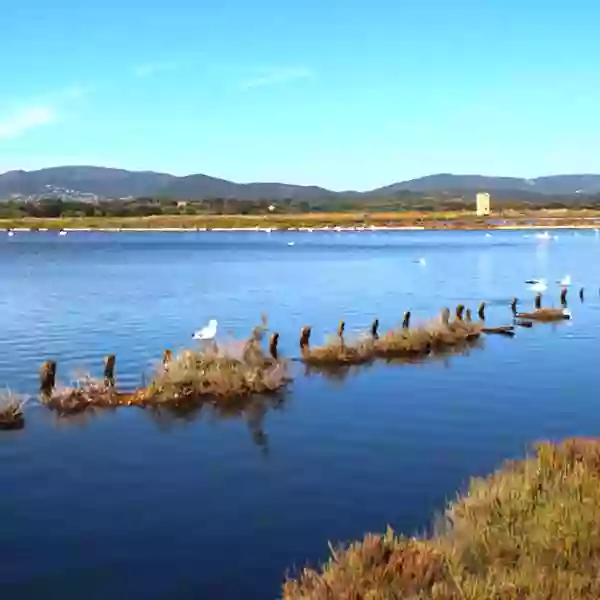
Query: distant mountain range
119, 183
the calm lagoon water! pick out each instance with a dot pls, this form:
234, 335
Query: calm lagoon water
126, 505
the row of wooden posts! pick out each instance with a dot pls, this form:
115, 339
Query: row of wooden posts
48, 369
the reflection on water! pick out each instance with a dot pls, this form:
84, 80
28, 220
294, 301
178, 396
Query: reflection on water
252, 411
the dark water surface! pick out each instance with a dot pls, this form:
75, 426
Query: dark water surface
126, 505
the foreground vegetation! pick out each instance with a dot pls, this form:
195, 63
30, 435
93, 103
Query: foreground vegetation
529, 531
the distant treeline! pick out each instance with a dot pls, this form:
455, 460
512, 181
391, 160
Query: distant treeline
140, 207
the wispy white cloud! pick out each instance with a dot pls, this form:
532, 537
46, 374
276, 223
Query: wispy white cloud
22, 120
149, 69
277, 76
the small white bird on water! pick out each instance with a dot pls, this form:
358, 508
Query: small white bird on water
539, 286
208, 332
62, 232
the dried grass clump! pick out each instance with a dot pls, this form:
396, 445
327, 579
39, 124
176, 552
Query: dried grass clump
11, 410
340, 353
85, 393
433, 337
546, 315
229, 371
531, 530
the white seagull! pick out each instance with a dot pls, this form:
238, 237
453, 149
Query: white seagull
539, 286
208, 332
62, 232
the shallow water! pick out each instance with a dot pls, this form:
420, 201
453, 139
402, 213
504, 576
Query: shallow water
128, 505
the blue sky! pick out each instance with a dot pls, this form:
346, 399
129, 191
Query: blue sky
341, 94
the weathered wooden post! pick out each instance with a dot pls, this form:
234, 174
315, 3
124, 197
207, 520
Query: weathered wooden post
460, 309
109, 370
513, 306
167, 357
48, 377
305, 340
563, 296
481, 310
538, 301
581, 294
406, 320
340, 332
375, 329
468, 318
273, 346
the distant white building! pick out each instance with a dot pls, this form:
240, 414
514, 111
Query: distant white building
483, 204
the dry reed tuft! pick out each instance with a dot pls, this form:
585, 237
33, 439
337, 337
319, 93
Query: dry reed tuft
430, 338
338, 352
11, 410
84, 394
529, 531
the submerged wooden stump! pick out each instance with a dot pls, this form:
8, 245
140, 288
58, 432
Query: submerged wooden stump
305, 340
513, 306
581, 294
563, 296
406, 320
538, 301
340, 332
481, 310
47, 378
468, 317
109, 370
460, 309
507, 330
273, 346
523, 323
375, 329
